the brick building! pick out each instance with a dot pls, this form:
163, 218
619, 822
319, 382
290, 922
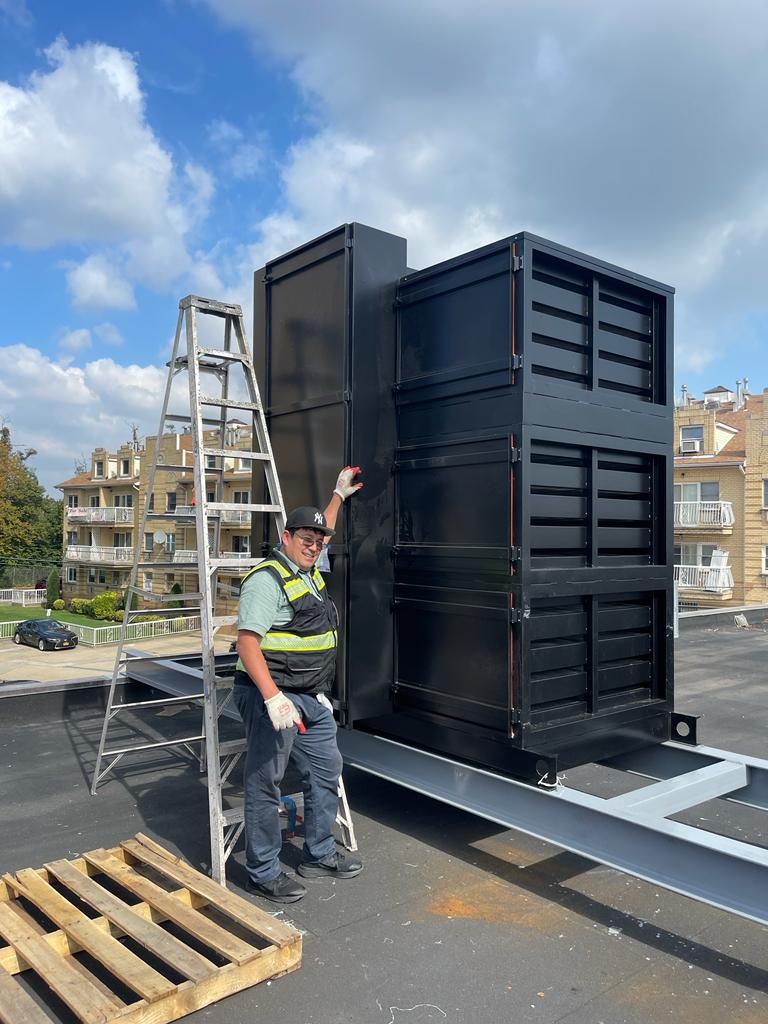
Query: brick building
721, 498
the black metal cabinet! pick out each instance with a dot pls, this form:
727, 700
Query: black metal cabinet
506, 582
324, 343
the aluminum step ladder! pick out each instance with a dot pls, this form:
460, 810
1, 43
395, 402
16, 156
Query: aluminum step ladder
207, 458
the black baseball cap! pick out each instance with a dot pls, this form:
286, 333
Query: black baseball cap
308, 518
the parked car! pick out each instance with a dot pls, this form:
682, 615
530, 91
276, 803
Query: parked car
45, 634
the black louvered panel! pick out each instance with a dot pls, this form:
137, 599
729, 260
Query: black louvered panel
626, 660
625, 341
559, 488
624, 512
560, 310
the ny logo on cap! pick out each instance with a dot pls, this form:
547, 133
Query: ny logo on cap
319, 518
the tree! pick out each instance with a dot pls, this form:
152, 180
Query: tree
53, 589
30, 521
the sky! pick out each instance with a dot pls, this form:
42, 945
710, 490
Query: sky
162, 147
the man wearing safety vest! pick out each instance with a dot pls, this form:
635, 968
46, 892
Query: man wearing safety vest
286, 641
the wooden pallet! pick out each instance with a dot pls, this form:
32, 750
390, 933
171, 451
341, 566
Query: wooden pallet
217, 942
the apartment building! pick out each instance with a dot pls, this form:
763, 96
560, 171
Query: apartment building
103, 510
721, 498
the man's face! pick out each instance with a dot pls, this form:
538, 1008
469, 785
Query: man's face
303, 546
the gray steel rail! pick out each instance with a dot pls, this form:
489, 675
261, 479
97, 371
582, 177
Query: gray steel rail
630, 832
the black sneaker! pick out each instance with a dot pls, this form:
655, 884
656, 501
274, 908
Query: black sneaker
338, 865
282, 889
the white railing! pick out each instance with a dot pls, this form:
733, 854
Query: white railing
85, 514
183, 555
228, 516
23, 597
93, 553
97, 636
704, 513
704, 577
183, 510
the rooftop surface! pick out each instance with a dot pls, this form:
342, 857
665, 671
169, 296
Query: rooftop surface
453, 920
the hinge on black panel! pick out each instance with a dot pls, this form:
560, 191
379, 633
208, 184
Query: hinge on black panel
266, 279
515, 615
348, 242
517, 362
517, 263
514, 554
397, 303
514, 454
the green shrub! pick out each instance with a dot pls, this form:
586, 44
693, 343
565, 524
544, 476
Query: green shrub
105, 605
53, 589
58, 604
176, 589
81, 606
149, 618
117, 615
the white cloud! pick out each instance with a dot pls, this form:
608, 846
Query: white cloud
240, 157
108, 334
98, 283
16, 12
63, 410
76, 341
80, 164
626, 131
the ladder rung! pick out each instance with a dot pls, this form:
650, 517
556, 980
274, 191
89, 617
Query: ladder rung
233, 815
223, 620
158, 703
168, 565
232, 746
211, 306
172, 597
166, 611
230, 453
230, 563
153, 746
231, 506
220, 353
228, 403
174, 469
188, 419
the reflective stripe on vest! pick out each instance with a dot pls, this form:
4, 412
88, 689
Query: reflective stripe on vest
276, 641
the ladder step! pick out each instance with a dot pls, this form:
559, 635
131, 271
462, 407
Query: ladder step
154, 746
163, 468
229, 403
211, 306
220, 353
230, 453
176, 418
232, 747
229, 563
223, 620
161, 703
233, 815
231, 506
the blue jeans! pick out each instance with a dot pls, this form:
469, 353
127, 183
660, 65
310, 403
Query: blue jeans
319, 763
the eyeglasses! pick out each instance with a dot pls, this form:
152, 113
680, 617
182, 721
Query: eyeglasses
310, 541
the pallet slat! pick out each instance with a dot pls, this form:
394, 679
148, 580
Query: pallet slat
16, 1006
148, 852
168, 948
83, 999
190, 920
125, 965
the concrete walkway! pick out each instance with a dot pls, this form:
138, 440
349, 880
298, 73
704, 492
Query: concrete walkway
27, 664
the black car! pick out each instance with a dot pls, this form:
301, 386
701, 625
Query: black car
45, 634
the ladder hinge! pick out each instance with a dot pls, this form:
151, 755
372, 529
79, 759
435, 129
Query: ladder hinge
514, 555
348, 243
517, 362
517, 263
514, 454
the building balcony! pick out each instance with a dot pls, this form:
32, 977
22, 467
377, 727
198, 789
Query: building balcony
85, 514
706, 579
704, 515
229, 517
94, 553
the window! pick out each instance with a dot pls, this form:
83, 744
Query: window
242, 544
170, 543
71, 574
765, 560
102, 576
147, 580
211, 495
122, 540
123, 501
125, 467
170, 578
210, 462
691, 439
694, 554
98, 468
765, 493
151, 505
71, 536
707, 491
93, 501
92, 575
72, 501
149, 542
170, 502
115, 579
241, 497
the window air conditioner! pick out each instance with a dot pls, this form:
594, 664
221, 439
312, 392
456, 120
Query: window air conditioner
690, 445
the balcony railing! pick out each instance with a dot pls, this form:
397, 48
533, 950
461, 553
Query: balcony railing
704, 577
714, 515
85, 514
229, 517
94, 553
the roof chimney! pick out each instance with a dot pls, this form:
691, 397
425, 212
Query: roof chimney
737, 403
684, 395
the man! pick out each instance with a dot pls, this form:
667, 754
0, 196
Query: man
287, 645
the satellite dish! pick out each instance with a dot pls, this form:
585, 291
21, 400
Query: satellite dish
160, 537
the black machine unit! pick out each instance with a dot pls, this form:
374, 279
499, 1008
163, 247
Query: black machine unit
509, 600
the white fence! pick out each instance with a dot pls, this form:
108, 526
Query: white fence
703, 577
84, 514
97, 636
23, 597
704, 513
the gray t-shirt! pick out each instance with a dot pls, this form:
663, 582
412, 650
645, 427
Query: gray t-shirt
263, 603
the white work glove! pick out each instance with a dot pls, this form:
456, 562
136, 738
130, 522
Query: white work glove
322, 699
282, 711
345, 488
